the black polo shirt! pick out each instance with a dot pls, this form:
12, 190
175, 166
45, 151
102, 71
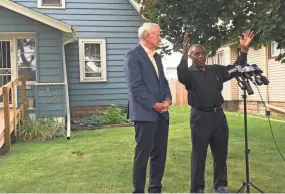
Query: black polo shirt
205, 87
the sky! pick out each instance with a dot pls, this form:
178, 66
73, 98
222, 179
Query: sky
171, 60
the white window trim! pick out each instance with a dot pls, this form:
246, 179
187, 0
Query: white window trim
62, 6
271, 49
221, 54
102, 42
279, 51
28, 83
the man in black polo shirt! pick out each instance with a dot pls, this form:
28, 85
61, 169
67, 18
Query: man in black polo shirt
207, 121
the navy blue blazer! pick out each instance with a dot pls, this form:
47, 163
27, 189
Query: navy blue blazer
145, 88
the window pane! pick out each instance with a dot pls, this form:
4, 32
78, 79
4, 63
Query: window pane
26, 58
92, 51
221, 59
209, 61
51, 2
274, 51
215, 59
93, 69
92, 75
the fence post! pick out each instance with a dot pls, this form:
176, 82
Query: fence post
7, 138
24, 96
14, 106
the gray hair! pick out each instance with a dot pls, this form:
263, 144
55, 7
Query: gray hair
196, 45
146, 28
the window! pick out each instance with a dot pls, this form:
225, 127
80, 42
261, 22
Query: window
221, 60
26, 59
51, 3
212, 60
92, 58
274, 52
209, 61
215, 60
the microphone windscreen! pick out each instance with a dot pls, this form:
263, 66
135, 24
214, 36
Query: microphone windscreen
265, 80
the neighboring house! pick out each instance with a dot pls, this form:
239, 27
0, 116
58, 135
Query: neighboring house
71, 51
273, 94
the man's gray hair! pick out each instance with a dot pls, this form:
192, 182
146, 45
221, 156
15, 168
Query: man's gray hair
146, 28
196, 45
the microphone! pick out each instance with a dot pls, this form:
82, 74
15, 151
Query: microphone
253, 70
235, 70
264, 80
245, 73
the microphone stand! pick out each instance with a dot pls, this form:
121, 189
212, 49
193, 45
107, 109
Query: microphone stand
245, 86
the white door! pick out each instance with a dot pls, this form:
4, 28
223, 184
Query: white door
7, 66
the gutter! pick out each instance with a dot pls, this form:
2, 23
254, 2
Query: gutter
68, 120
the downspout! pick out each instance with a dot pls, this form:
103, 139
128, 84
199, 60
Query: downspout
68, 118
266, 75
231, 81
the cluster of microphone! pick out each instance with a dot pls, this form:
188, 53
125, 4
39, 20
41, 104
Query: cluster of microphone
248, 72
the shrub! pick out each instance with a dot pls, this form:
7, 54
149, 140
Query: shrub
41, 129
88, 121
113, 115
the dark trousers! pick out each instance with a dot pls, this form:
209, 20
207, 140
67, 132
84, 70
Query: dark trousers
208, 128
151, 138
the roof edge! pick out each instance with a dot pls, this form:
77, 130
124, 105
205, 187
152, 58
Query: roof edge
135, 5
36, 16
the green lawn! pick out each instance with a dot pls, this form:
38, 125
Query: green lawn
101, 161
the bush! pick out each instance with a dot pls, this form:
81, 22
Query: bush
115, 114
88, 121
41, 129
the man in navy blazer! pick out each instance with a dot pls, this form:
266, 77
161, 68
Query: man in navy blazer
149, 100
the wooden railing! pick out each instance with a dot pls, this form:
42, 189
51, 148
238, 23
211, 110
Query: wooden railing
12, 115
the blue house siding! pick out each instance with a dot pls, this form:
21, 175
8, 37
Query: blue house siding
49, 60
114, 20
51, 101
89, 94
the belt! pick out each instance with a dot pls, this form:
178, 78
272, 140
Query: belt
216, 109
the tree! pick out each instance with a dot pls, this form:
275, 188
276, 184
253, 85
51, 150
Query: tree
217, 22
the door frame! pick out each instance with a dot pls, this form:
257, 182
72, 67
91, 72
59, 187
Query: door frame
13, 36
12, 41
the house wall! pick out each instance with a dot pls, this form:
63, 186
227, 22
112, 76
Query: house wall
274, 93
276, 87
234, 84
114, 20
226, 89
257, 57
49, 61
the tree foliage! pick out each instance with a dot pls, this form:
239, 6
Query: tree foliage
217, 22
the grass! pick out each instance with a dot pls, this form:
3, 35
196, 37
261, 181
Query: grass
101, 161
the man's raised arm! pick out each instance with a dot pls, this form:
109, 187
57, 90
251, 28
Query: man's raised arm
183, 73
242, 58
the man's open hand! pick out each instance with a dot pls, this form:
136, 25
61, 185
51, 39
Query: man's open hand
246, 40
185, 46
